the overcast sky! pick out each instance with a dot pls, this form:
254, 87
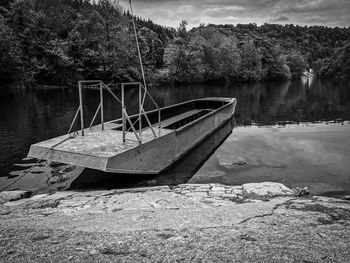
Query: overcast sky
303, 12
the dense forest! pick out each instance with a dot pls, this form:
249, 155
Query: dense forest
61, 41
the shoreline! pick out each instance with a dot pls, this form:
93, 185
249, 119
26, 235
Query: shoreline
262, 222
294, 155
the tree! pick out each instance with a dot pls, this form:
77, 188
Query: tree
10, 64
274, 62
297, 64
182, 31
250, 67
336, 66
152, 47
217, 53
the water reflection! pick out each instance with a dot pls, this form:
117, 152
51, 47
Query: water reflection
46, 179
307, 81
29, 116
181, 172
313, 155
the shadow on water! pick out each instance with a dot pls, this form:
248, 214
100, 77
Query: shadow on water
179, 173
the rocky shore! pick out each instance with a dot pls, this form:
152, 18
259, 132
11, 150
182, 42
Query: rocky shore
258, 222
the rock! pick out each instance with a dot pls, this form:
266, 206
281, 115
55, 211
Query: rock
247, 237
301, 192
59, 178
202, 187
347, 197
37, 197
197, 194
53, 180
271, 163
68, 169
237, 191
42, 204
323, 188
229, 196
40, 237
229, 161
201, 190
5, 212
7, 196
113, 249
266, 189
55, 164
218, 189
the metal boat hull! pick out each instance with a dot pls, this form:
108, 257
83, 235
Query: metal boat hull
150, 157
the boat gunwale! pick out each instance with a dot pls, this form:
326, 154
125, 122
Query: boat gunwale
177, 158
179, 130
209, 114
176, 132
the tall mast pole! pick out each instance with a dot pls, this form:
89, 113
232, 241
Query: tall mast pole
138, 46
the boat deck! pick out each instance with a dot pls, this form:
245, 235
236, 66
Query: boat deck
108, 142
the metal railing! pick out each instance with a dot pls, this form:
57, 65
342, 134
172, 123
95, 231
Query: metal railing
125, 116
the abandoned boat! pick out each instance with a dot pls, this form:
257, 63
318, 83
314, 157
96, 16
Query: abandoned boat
144, 143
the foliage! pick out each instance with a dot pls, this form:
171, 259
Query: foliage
336, 66
250, 66
253, 53
61, 41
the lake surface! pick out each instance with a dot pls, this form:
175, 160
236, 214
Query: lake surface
295, 154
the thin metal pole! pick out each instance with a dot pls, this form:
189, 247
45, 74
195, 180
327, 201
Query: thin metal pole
95, 115
140, 109
101, 103
159, 121
137, 44
149, 123
132, 127
123, 114
75, 117
114, 96
81, 109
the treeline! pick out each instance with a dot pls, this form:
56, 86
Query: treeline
250, 52
62, 41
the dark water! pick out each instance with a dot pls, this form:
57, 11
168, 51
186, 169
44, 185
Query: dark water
29, 116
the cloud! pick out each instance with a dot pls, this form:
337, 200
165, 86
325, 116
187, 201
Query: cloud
303, 12
280, 19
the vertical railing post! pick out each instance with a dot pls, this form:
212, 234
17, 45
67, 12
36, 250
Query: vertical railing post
159, 120
140, 111
101, 102
123, 114
81, 108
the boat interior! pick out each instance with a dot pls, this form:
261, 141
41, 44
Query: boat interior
176, 116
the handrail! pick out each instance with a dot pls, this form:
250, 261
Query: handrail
93, 119
154, 102
75, 117
109, 90
125, 115
157, 106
